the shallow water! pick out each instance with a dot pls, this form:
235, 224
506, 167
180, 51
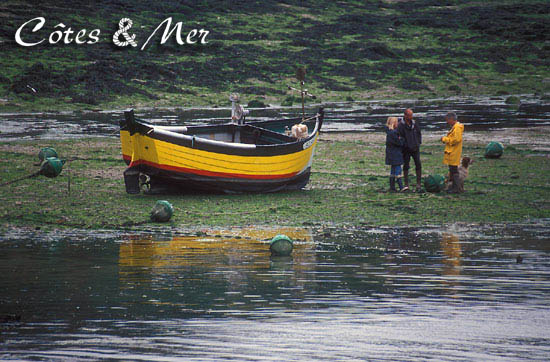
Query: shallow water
477, 113
448, 294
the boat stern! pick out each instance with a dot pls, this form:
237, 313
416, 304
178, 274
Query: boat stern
125, 138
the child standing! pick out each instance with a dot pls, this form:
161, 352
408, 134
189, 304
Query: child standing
394, 153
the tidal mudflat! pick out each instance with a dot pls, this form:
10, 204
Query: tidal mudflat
347, 188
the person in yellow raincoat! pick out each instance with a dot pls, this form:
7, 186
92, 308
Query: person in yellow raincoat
453, 149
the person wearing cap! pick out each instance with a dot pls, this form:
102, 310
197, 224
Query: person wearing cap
409, 130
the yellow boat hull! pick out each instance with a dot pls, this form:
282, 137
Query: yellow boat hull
183, 161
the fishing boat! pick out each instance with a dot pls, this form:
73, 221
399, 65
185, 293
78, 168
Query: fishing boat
234, 157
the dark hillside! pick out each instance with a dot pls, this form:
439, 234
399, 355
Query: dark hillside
352, 50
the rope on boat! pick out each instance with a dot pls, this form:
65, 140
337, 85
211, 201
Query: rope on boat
310, 118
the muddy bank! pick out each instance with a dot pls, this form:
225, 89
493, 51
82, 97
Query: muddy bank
477, 113
535, 137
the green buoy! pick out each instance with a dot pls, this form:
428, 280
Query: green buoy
162, 211
47, 152
434, 183
281, 245
494, 150
51, 167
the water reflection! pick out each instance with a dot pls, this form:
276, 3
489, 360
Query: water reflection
233, 247
403, 293
232, 267
452, 251
450, 245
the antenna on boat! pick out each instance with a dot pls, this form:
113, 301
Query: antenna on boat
238, 113
301, 76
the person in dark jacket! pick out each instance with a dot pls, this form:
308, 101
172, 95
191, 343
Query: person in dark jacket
409, 130
394, 153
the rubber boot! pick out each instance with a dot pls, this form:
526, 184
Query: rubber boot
406, 178
454, 189
418, 181
400, 183
392, 184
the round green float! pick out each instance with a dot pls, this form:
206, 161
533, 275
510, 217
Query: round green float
281, 245
47, 152
162, 211
494, 150
434, 183
51, 167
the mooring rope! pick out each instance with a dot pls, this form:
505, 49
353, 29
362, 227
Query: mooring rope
34, 174
467, 181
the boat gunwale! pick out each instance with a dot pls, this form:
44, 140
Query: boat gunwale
242, 149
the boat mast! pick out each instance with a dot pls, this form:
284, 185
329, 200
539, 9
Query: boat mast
301, 76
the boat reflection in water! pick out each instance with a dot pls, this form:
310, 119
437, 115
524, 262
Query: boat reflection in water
217, 269
381, 294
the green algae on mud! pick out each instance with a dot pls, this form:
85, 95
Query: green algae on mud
354, 49
347, 187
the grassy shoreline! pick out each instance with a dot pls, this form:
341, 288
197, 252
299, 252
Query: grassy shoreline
347, 188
